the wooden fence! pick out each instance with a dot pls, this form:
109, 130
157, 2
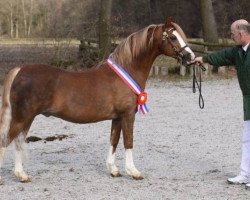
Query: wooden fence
200, 48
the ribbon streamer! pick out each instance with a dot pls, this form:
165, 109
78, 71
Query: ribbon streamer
142, 95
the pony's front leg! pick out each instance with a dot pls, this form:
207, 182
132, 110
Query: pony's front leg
127, 129
20, 156
114, 140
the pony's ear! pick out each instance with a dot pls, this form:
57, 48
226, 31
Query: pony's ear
169, 22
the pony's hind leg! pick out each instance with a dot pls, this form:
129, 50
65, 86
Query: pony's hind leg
17, 133
5, 118
3, 141
20, 157
114, 140
5, 114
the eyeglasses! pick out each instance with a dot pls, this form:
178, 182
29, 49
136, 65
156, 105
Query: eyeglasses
233, 35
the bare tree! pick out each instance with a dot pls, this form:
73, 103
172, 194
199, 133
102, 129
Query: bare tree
79, 18
209, 25
11, 20
24, 18
30, 18
104, 28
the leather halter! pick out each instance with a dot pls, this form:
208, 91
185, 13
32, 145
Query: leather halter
166, 35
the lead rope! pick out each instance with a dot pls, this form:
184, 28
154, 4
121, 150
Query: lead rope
195, 81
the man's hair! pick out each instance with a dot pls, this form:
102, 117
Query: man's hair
244, 28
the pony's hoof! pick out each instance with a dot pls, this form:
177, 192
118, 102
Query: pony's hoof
22, 177
116, 174
134, 173
27, 180
140, 177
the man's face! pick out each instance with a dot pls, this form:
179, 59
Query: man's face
236, 36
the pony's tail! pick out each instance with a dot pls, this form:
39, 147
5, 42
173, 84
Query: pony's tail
6, 111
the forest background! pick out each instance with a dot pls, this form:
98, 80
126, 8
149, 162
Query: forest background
90, 19
80, 18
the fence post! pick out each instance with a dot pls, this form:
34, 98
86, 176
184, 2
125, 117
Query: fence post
151, 72
156, 70
207, 68
164, 71
191, 71
222, 70
182, 70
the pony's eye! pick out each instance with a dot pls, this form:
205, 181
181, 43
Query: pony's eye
173, 37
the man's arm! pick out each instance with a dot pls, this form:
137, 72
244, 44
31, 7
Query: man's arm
224, 57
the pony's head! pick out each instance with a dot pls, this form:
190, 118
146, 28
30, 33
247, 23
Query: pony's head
174, 43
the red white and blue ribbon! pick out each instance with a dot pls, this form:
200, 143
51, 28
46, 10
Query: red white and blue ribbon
142, 95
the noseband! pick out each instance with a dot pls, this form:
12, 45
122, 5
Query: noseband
166, 35
179, 54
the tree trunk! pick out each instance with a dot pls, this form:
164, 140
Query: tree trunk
17, 29
24, 18
209, 25
104, 29
30, 17
11, 21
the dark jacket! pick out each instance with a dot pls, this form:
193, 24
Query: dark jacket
234, 56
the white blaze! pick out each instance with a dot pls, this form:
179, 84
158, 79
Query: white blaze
183, 44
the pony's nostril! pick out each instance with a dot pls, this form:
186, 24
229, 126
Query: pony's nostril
187, 57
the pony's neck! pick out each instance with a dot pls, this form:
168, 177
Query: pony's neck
141, 66
138, 52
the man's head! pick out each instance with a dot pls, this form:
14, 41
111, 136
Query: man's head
240, 32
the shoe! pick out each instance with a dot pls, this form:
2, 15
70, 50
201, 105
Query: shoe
240, 179
247, 186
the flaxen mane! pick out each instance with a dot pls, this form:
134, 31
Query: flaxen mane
132, 46
137, 43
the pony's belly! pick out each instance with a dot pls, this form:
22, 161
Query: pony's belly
85, 119
83, 116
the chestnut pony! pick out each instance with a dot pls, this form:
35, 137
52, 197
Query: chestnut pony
89, 96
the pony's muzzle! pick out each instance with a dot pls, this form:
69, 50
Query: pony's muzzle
186, 58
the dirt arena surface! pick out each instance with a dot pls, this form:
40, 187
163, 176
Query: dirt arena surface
183, 152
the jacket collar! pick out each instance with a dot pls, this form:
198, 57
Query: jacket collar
245, 48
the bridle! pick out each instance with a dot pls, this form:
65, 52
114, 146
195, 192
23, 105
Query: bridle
179, 54
166, 36
199, 68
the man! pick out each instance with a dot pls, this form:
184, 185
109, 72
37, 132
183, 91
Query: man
240, 57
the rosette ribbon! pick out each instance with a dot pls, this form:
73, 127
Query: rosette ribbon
141, 94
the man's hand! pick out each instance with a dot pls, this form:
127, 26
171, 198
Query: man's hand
198, 60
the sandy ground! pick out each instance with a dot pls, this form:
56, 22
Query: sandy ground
184, 152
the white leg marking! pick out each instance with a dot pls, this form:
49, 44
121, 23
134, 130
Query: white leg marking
111, 163
2, 151
130, 167
19, 172
5, 113
20, 156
